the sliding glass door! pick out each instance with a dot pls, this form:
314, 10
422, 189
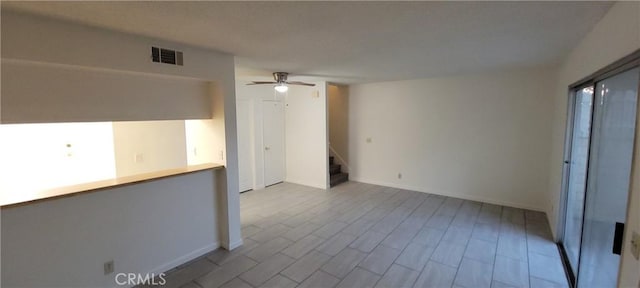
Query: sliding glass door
609, 176
577, 175
598, 170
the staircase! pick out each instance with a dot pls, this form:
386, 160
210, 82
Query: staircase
335, 170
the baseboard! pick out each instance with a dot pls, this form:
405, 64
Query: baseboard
234, 245
306, 184
552, 218
448, 194
185, 258
231, 246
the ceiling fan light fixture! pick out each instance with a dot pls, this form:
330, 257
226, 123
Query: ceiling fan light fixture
281, 88
280, 82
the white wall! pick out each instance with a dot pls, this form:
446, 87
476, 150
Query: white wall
246, 142
204, 141
97, 95
148, 227
148, 146
615, 36
59, 154
482, 137
98, 49
53, 43
338, 99
306, 136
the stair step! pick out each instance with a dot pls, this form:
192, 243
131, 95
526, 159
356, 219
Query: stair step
339, 178
334, 169
330, 160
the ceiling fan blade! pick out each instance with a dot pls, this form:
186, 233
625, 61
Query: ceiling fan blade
261, 82
299, 83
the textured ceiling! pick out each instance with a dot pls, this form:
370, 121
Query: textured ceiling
353, 41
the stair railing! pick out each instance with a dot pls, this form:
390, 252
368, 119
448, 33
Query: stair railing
340, 158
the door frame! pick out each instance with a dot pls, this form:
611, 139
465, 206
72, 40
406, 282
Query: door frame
625, 63
566, 173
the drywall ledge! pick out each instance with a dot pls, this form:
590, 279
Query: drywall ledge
7, 200
72, 93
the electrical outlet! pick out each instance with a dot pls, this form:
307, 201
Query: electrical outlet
399, 175
221, 155
195, 151
108, 267
635, 245
138, 158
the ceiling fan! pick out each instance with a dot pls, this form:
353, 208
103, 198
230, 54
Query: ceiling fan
281, 82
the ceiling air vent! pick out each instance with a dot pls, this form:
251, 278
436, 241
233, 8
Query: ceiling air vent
166, 56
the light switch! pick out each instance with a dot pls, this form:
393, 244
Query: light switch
69, 151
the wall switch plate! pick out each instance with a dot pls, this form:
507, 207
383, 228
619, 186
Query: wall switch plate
108, 267
635, 245
138, 158
69, 150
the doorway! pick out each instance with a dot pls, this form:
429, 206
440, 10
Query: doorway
597, 171
273, 142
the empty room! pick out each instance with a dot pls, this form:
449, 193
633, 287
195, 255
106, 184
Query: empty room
246, 144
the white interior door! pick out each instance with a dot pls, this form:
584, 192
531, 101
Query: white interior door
273, 141
244, 119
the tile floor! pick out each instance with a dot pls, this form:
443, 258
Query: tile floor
362, 235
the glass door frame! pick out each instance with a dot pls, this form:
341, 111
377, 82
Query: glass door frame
566, 172
626, 63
